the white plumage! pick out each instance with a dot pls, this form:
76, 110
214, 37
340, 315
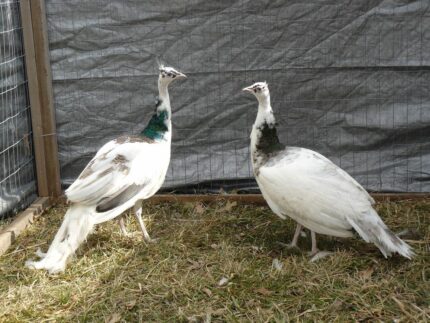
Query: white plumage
124, 172
309, 188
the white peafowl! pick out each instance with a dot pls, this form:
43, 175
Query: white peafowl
309, 188
124, 172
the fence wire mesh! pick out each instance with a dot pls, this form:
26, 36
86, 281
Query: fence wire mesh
349, 79
17, 176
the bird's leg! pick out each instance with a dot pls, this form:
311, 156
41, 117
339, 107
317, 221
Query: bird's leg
315, 253
122, 226
293, 243
138, 213
314, 250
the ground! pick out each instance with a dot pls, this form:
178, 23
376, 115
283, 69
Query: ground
219, 262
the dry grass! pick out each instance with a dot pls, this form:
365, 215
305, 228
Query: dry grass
116, 278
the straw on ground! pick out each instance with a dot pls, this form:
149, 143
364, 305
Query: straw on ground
219, 262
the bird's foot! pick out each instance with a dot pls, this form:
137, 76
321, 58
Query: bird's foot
318, 255
132, 234
150, 240
292, 246
411, 234
289, 245
126, 234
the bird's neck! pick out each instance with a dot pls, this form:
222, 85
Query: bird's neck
264, 137
163, 93
264, 102
159, 126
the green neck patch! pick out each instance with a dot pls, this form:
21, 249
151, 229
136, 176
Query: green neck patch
156, 126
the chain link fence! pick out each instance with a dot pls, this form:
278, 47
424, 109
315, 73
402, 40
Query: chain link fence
17, 170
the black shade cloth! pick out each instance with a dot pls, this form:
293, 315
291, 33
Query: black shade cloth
349, 79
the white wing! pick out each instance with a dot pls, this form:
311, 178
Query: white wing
308, 187
121, 170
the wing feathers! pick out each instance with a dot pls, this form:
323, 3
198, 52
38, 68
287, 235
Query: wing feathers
127, 194
109, 172
319, 195
122, 171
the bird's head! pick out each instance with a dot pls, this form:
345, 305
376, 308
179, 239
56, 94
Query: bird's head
260, 90
169, 74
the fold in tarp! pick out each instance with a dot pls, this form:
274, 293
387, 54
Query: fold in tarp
349, 79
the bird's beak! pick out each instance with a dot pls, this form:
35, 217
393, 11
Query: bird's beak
181, 75
248, 89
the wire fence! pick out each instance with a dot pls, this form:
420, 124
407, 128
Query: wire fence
348, 79
17, 175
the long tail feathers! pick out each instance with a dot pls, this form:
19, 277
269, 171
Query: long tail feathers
76, 226
372, 229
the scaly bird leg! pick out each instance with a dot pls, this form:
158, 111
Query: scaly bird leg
314, 250
315, 253
138, 214
293, 243
122, 226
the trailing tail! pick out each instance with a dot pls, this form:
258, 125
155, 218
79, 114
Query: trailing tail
372, 229
77, 224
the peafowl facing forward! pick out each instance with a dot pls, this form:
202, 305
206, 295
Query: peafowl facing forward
309, 188
124, 172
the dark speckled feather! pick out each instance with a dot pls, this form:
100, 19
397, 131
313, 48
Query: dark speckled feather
110, 203
268, 142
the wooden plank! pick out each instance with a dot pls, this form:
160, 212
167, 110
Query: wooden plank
41, 97
41, 47
206, 198
33, 92
382, 197
259, 200
41, 204
256, 199
9, 234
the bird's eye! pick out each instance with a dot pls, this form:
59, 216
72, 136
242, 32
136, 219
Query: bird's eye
169, 74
